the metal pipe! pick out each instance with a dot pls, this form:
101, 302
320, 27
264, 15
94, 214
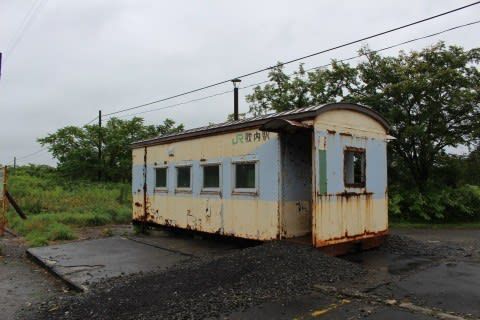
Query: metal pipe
236, 83
235, 103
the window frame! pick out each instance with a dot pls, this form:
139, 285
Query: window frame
161, 189
363, 182
183, 189
245, 191
215, 190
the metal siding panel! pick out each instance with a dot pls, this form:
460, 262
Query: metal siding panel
253, 217
350, 214
322, 171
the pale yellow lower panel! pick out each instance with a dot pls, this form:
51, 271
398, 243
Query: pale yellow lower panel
296, 218
252, 219
348, 217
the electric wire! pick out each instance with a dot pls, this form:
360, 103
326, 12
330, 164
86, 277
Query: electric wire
298, 59
26, 23
306, 70
43, 148
266, 81
176, 104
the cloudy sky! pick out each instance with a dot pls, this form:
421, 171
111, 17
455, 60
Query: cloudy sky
76, 57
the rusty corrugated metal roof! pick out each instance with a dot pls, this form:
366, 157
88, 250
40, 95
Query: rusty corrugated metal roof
301, 113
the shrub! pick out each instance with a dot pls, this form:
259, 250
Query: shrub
36, 239
460, 204
54, 205
59, 231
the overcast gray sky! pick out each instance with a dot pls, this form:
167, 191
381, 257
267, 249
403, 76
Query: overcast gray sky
77, 57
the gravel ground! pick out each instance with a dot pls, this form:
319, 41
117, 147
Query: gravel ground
402, 245
203, 289
208, 288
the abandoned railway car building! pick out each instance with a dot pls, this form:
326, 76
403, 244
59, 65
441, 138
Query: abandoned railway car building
317, 173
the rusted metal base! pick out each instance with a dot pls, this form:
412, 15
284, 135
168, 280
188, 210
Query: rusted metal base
207, 235
343, 248
349, 245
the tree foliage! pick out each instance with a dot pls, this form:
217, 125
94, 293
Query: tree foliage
76, 148
430, 97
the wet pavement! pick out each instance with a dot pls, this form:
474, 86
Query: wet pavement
317, 305
22, 283
457, 235
442, 281
451, 286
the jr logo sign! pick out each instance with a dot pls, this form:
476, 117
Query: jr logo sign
247, 137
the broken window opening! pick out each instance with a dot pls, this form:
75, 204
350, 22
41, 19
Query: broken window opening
354, 167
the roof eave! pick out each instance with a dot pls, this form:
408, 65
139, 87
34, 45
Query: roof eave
213, 131
257, 123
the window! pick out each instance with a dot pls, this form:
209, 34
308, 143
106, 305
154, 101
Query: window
161, 178
184, 177
245, 176
354, 167
211, 176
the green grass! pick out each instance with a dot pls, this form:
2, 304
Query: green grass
57, 207
417, 225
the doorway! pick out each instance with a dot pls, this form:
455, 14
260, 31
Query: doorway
296, 184
296, 171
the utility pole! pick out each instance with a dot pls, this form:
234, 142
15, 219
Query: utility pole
100, 164
14, 163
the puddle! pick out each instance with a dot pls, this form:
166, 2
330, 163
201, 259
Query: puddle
392, 264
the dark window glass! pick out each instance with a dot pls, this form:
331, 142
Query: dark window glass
354, 168
245, 175
161, 177
211, 176
183, 177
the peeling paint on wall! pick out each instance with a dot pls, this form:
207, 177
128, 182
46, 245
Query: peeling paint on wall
283, 203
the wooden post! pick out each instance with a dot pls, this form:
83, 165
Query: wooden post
100, 163
4, 208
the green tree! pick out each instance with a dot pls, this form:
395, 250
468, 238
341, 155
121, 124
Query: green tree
430, 97
76, 148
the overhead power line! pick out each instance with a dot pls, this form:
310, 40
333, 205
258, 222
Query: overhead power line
43, 148
308, 69
26, 23
176, 104
298, 59
266, 81
30, 154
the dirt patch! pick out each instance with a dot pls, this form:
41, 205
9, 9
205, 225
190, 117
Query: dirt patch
104, 231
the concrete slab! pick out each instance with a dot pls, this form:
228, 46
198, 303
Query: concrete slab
83, 263
187, 244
